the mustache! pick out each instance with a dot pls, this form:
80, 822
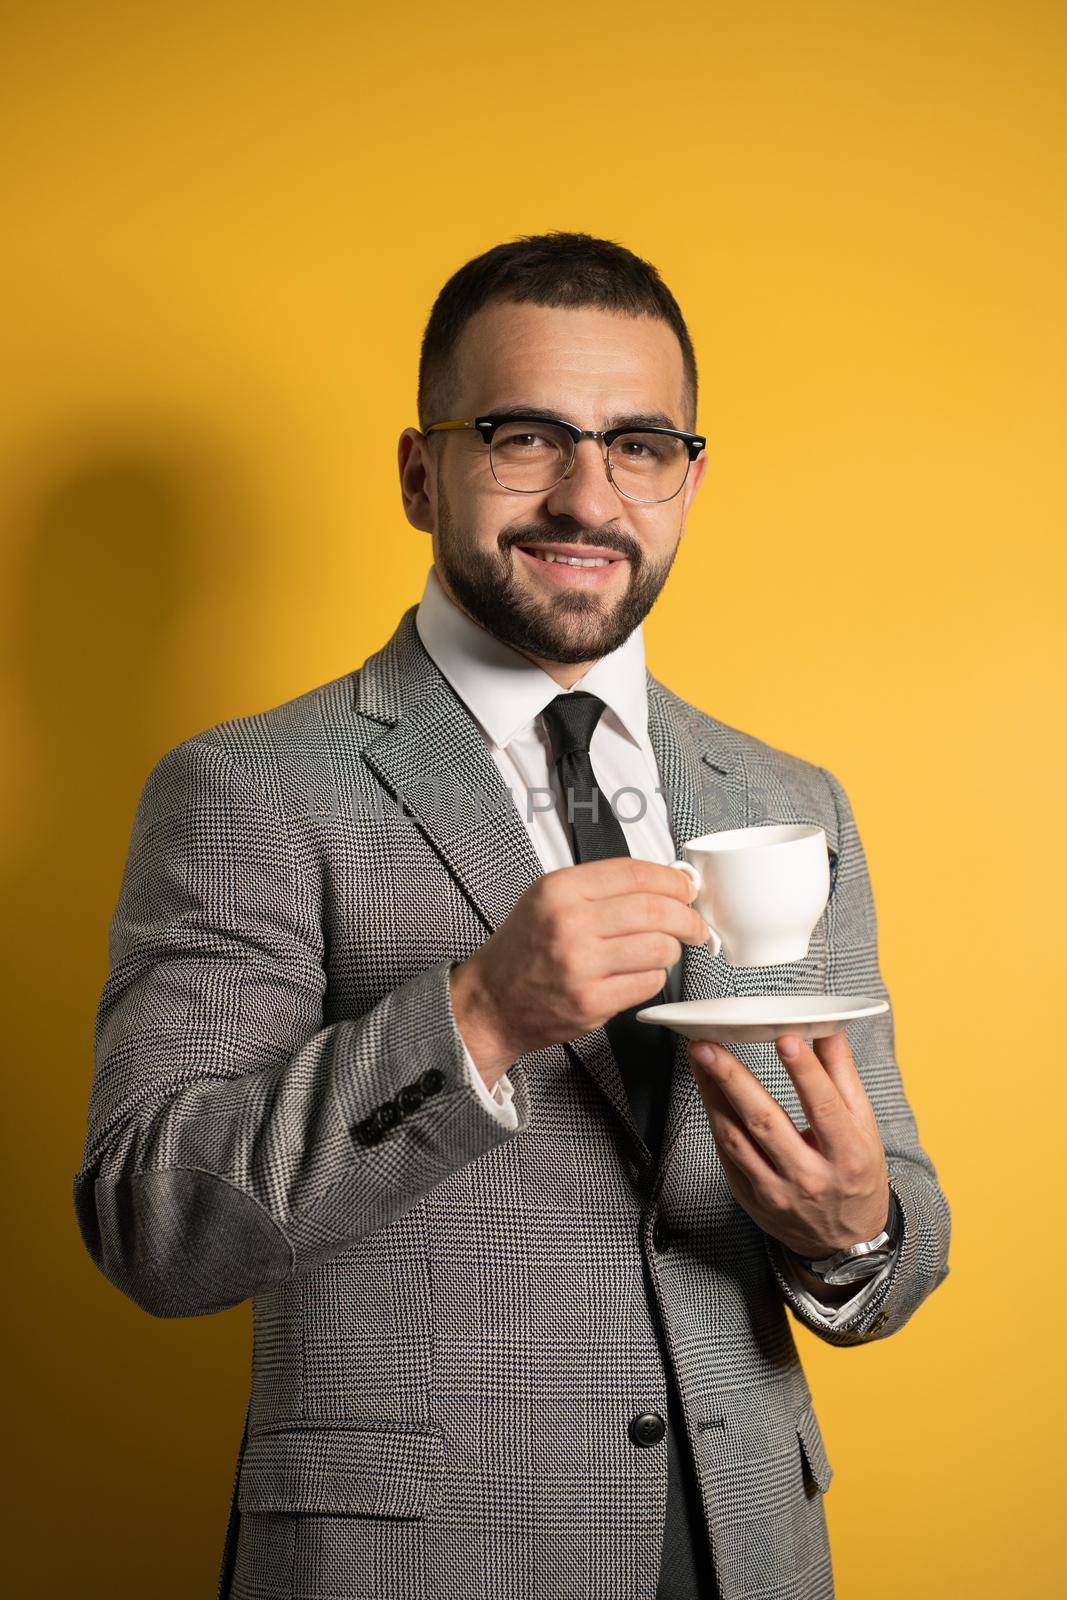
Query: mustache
603, 538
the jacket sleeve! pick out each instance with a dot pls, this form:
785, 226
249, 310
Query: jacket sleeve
920, 1262
233, 1140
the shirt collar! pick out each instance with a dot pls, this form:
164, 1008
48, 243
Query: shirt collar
504, 690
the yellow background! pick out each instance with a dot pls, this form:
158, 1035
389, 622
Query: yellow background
225, 226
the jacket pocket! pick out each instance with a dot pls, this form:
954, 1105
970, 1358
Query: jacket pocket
813, 1449
341, 1469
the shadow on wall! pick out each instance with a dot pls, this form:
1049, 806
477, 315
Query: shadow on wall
120, 560
127, 557
113, 569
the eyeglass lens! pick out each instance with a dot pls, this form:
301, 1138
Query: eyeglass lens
533, 455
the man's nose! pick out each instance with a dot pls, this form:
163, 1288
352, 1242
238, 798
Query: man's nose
586, 493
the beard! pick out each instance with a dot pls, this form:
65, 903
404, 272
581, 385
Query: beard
568, 627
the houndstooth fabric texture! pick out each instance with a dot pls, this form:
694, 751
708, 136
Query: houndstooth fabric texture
451, 1330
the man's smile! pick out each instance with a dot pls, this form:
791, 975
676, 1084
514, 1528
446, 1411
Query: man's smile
573, 566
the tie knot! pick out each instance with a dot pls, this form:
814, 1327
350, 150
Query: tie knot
570, 720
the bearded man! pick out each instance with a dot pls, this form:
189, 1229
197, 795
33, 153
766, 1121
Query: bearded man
520, 1265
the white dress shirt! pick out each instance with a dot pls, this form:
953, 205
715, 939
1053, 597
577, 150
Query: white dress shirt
506, 693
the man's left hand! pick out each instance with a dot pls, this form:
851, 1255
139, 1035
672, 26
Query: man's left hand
818, 1191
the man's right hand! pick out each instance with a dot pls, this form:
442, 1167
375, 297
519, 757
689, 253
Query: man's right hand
582, 944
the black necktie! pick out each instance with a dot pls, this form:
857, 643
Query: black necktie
644, 1054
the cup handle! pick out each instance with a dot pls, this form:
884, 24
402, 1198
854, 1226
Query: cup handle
714, 941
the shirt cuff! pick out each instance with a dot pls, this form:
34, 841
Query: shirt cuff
498, 1100
831, 1314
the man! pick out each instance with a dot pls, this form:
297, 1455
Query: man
367, 1053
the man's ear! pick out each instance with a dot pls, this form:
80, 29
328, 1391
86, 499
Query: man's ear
412, 457
692, 484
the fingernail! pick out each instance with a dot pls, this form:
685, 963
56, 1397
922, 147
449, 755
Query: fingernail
704, 1050
789, 1046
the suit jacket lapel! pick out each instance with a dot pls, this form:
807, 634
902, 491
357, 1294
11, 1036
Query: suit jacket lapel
434, 760
432, 757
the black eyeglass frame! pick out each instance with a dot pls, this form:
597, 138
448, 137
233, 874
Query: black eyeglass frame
487, 426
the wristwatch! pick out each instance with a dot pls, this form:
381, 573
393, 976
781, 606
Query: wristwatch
862, 1260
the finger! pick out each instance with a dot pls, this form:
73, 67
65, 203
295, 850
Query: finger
636, 952
735, 1144
761, 1114
739, 1186
631, 989
631, 875
829, 1118
835, 1053
647, 912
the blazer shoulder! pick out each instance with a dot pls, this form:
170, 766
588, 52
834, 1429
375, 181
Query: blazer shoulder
745, 745
298, 723
285, 756
765, 766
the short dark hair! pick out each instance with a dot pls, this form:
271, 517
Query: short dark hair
545, 269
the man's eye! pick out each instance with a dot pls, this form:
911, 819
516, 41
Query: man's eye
650, 449
524, 441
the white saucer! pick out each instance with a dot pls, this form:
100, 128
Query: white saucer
760, 1017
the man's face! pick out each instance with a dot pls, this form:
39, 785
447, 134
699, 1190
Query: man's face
589, 367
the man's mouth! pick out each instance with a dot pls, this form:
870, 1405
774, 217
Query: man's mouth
572, 558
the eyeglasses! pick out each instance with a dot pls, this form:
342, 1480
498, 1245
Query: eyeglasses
532, 454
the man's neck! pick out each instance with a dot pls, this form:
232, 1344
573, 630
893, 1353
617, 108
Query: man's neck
565, 673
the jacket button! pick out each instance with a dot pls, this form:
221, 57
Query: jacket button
647, 1428
410, 1097
431, 1080
661, 1234
370, 1129
389, 1114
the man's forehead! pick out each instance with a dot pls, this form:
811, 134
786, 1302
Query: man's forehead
542, 356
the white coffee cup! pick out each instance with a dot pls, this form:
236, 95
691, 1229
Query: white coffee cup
760, 890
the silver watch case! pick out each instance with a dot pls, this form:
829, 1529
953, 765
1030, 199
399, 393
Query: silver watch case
853, 1265
863, 1260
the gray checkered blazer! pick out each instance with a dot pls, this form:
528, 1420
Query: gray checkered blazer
451, 1330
